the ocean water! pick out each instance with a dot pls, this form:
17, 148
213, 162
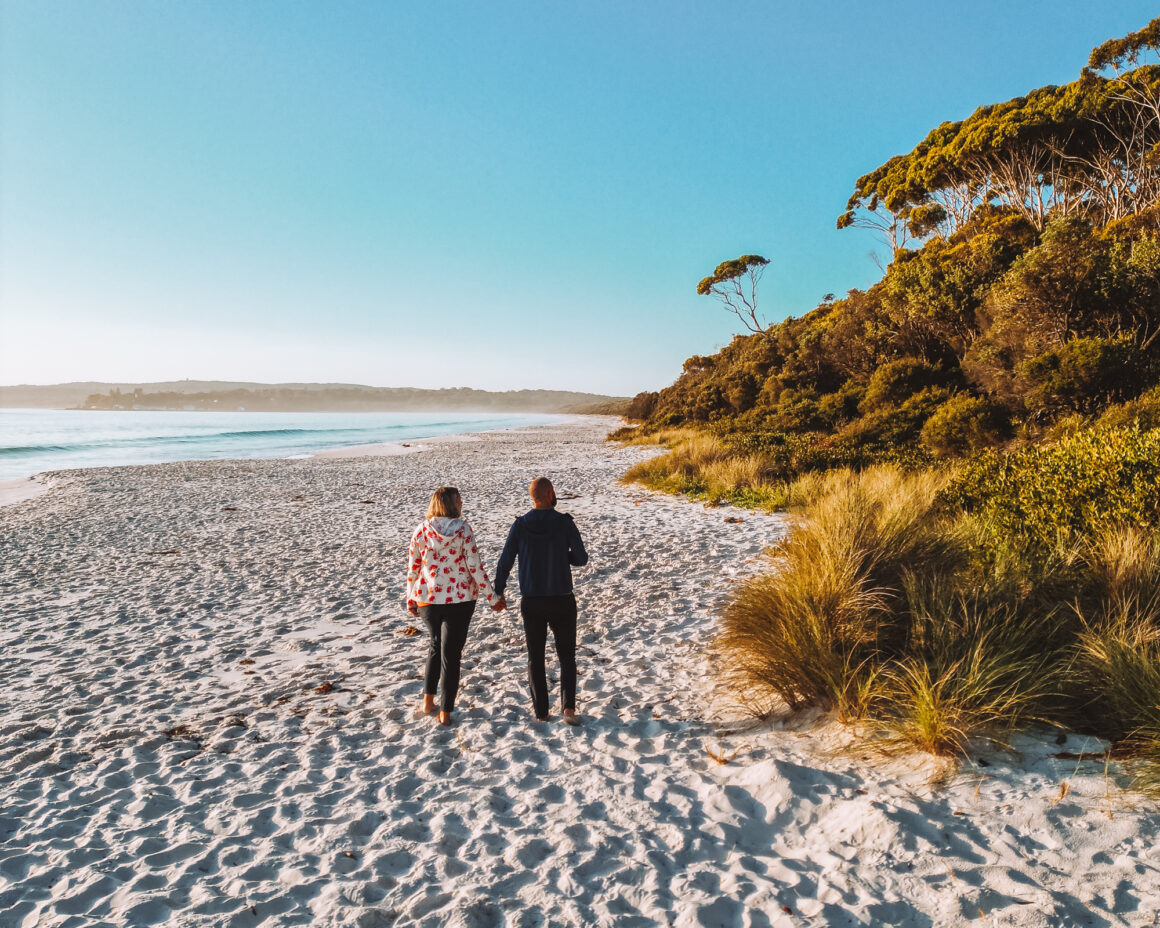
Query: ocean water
35, 440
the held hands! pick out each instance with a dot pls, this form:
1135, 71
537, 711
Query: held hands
413, 609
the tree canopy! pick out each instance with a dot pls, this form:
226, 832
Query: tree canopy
1116, 53
1087, 148
734, 283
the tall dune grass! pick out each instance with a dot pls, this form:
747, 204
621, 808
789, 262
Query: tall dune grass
880, 606
1118, 647
936, 608
969, 669
702, 466
813, 630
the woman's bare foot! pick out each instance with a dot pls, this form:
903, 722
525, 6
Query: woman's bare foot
444, 718
570, 717
428, 704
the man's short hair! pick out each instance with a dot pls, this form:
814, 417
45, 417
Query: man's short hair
542, 490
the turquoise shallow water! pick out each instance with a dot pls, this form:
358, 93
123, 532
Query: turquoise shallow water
35, 440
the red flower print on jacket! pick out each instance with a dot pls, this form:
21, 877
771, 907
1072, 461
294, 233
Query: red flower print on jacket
439, 542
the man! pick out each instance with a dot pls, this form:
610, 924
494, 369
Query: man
548, 546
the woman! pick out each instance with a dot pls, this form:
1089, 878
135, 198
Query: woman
444, 578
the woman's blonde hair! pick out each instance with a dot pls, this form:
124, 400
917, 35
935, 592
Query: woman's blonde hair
445, 502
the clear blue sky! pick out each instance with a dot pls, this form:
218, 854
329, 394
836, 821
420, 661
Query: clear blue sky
488, 194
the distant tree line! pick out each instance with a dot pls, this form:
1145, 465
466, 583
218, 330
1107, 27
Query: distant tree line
356, 399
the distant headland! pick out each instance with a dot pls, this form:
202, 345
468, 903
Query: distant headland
298, 397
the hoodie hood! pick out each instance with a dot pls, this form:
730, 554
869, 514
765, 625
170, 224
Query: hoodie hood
441, 531
541, 522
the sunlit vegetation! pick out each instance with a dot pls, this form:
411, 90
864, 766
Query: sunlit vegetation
897, 604
972, 445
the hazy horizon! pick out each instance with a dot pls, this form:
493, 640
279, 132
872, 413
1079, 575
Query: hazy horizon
291, 383
37, 440
250, 396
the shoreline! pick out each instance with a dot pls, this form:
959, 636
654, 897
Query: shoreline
416, 445
210, 719
16, 489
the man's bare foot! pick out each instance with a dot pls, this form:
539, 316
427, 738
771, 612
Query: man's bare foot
570, 717
444, 718
428, 705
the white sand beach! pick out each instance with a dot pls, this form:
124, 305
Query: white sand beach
17, 491
207, 719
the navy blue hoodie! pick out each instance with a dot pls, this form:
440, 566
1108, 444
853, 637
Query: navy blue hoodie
549, 546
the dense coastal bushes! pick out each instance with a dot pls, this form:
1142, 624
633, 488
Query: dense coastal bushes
972, 445
894, 367
1043, 498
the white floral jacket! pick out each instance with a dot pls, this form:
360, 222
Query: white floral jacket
444, 565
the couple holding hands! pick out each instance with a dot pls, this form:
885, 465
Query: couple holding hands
445, 576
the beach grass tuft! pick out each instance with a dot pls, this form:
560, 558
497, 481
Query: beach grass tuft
704, 467
1118, 664
938, 707
810, 631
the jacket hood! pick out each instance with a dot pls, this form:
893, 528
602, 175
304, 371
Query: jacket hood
540, 521
441, 530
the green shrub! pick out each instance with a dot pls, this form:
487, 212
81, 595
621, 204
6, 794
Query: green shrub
743, 391
842, 405
895, 426
1084, 375
789, 455
798, 411
892, 383
1143, 411
965, 423
641, 406
1041, 499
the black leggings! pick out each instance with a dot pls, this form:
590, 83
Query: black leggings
448, 626
558, 613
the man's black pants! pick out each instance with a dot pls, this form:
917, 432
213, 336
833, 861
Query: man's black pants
447, 623
559, 614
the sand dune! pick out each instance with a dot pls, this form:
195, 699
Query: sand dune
207, 719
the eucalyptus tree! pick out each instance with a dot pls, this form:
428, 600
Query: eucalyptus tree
735, 284
1087, 149
1134, 83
